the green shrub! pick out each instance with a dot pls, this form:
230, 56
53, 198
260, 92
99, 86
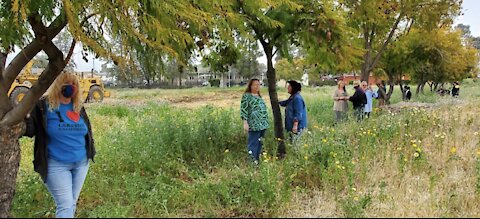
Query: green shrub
214, 82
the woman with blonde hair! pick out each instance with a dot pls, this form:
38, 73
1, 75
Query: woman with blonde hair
63, 142
340, 102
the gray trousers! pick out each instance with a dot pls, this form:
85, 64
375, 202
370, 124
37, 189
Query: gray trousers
340, 116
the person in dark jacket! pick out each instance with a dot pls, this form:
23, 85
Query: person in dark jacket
295, 110
456, 89
408, 93
381, 94
359, 100
63, 142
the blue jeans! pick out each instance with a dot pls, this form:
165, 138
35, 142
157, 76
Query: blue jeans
65, 181
255, 144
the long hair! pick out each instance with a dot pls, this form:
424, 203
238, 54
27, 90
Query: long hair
54, 93
249, 86
344, 87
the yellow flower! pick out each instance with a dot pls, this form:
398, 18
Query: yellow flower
405, 159
337, 162
325, 140
226, 151
305, 145
453, 150
355, 198
306, 157
478, 152
414, 145
354, 189
416, 155
476, 133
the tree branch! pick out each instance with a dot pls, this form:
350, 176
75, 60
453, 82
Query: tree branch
74, 42
3, 61
387, 41
32, 49
55, 66
70, 52
22, 58
275, 52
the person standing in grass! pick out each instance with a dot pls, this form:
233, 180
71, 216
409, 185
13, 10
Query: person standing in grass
408, 93
63, 142
340, 102
381, 94
370, 95
456, 89
254, 114
359, 100
295, 110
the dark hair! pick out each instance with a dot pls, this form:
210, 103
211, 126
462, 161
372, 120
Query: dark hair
249, 86
296, 87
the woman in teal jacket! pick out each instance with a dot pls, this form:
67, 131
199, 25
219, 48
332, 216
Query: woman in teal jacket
255, 118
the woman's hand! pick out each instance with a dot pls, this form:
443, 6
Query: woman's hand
245, 126
295, 128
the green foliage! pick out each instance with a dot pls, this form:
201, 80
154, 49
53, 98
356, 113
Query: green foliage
326, 83
290, 70
214, 82
440, 56
162, 161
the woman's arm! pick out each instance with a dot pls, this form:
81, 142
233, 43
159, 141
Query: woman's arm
244, 108
335, 96
32, 122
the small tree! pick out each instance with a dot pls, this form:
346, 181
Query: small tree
32, 26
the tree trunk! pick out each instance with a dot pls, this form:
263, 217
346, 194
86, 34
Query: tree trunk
422, 87
9, 163
436, 86
402, 89
389, 93
277, 115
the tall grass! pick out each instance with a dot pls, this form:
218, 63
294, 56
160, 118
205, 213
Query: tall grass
157, 160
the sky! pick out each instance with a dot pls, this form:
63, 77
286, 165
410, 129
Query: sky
471, 17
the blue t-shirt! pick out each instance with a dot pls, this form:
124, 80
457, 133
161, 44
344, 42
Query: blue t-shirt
66, 132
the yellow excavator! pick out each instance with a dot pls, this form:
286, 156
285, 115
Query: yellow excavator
92, 87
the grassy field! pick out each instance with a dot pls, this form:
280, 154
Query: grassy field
182, 153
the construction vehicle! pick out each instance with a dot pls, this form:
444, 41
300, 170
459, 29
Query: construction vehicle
92, 87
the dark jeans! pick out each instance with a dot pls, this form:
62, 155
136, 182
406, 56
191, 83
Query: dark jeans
255, 143
359, 113
367, 115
